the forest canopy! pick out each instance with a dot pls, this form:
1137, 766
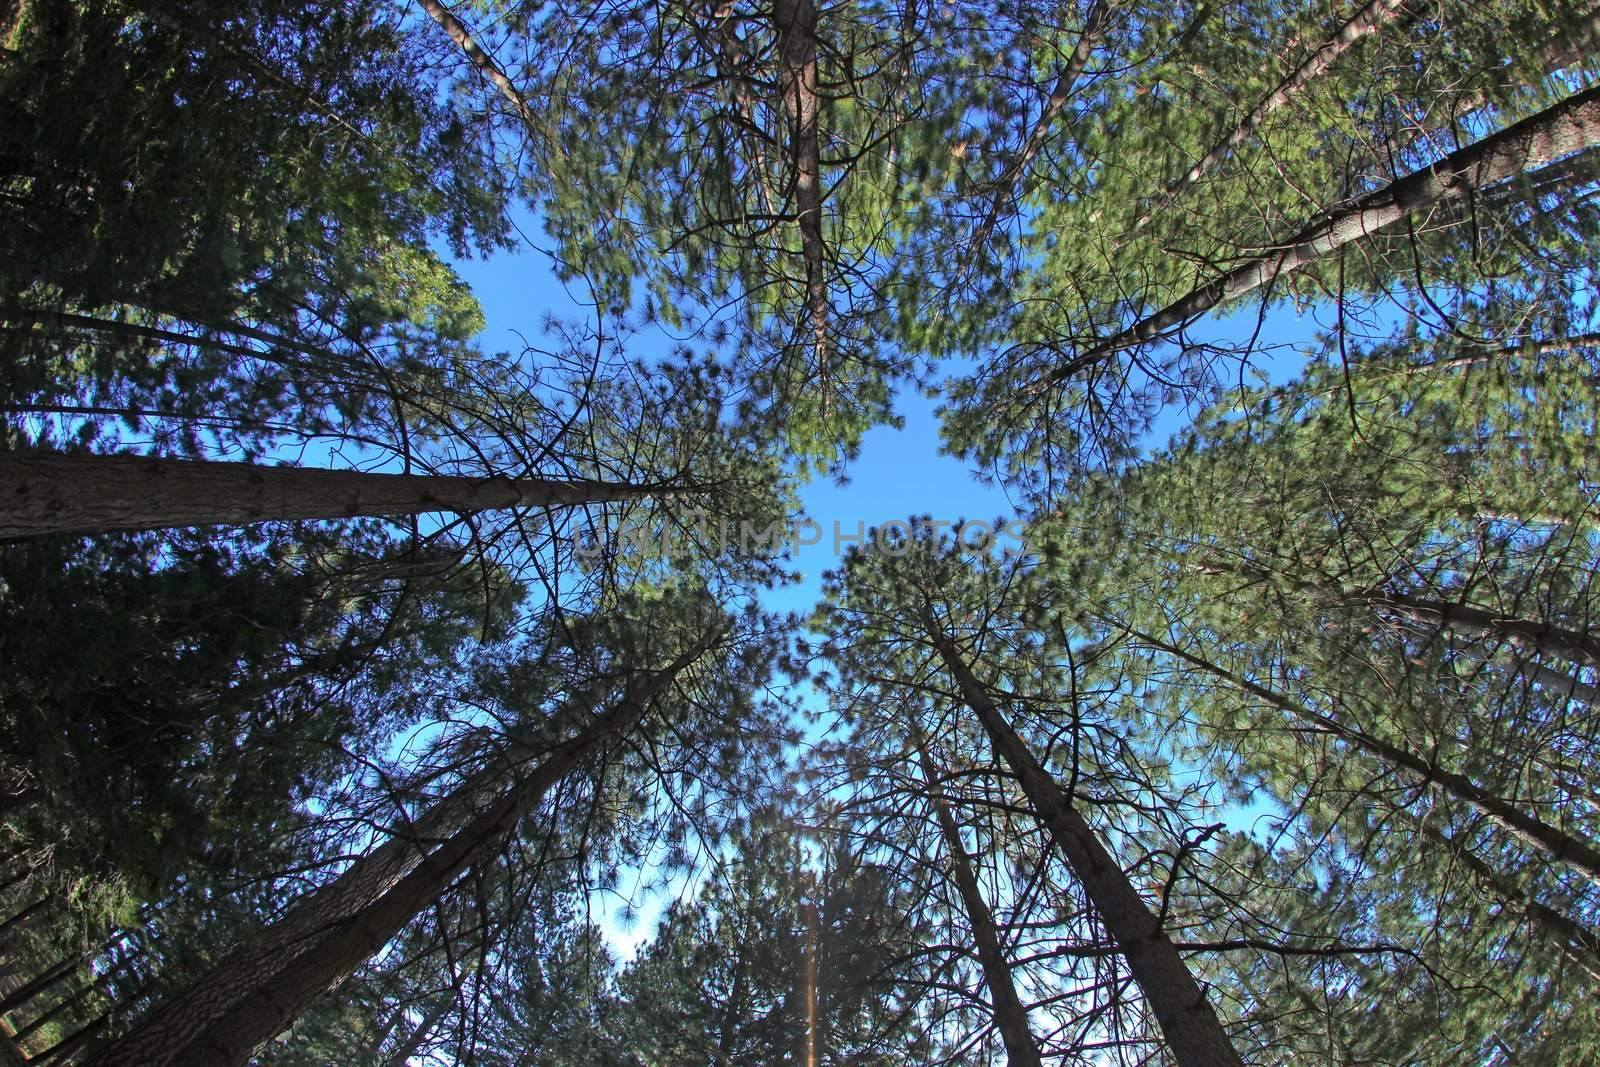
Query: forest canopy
371, 695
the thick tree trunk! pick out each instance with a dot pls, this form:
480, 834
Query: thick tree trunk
1192, 1030
1550, 841
1371, 18
223, 1019
1010, 1017
54, 493
1569, 126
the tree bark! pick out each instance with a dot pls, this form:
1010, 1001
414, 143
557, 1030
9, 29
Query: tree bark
1550, 841
1094, 24
1559, 683
1191, 1028
417, 1036
56, 493
224, 1018
1569, 126
28, 990
1010, 1016
482, 61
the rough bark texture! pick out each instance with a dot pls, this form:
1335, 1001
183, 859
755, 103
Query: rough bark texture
1191, 1028
223, 1019
1010, 1017
52, 493
1538, 835
1570, 126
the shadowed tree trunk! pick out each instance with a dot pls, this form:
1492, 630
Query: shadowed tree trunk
53, 493
796, 24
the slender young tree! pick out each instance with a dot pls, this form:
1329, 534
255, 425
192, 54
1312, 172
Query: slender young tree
1011, 1017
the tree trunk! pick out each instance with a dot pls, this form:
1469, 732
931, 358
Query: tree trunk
69, 1045
1577, 942
28, 990
416, 1037
1571, 125
1550, 841
223, 1019
481, 61
796, 24
1371, 18
10, 927
1526, 634
1094, 24
1010, 1017
1192, 1030
11, 12
1558, 683
53, 493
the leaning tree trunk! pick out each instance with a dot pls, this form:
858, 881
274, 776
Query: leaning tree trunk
1191, 1028
226, 1017
482, 61
1006, 189
1578, 943
53, 493
1525, 634
413, 1041
1567, 127
1010, 1016
1371, 18
1552, 842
